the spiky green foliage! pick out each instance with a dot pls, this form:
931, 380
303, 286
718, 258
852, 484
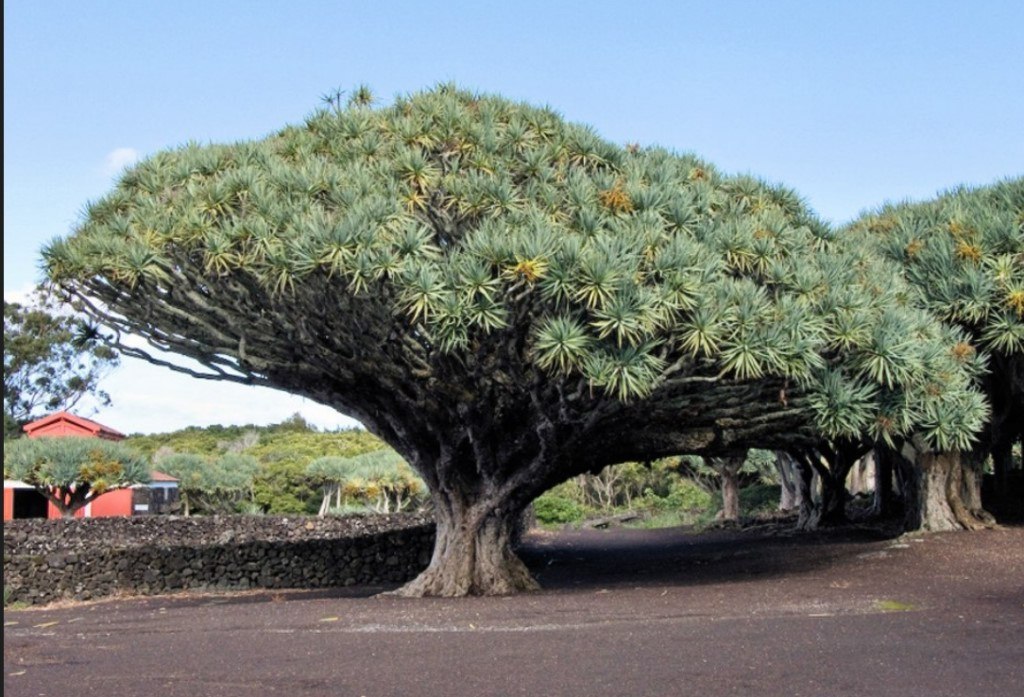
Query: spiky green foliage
379, 478
71, 472
506, 298
963, 254
211, 484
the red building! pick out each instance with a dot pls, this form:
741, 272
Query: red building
24, 501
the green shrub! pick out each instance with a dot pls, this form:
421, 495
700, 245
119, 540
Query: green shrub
552, 509
759, 498
683, 495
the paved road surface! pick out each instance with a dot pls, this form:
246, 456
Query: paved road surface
623, 613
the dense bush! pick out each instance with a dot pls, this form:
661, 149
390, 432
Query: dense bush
554, 509
684, 495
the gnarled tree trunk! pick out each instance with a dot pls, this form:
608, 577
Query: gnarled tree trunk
473, 554
933, 493
810, 508
789, 497
728, 469
884, 504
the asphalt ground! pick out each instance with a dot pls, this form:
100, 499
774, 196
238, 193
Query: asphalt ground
623, 612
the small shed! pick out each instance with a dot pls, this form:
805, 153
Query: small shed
22, 500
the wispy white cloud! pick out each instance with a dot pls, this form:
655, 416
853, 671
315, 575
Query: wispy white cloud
117, 159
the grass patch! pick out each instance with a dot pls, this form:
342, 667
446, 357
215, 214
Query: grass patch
893, 606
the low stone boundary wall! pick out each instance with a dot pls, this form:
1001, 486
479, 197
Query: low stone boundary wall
46, 561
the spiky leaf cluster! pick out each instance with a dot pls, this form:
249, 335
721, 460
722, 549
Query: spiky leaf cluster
368, 475
964, 253
65, 463
229, 473
456, 248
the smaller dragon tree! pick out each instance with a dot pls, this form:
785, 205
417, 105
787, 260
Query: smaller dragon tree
211, 485
963, 253
379, 478
73, 472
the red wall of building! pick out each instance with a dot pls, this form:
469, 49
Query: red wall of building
118, 502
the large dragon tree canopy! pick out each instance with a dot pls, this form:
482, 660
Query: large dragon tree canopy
508, 299
454, 232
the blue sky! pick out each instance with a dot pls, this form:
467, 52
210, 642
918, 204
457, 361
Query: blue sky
849, 102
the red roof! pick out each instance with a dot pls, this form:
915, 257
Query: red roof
63, 423
155, 476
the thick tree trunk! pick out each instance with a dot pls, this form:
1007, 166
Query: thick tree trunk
828, 507
928, 506
730, 496
833, 500
884, 504
473, 553
789, 497
810, 511
971, 474
834, 463
933, 494
728, 469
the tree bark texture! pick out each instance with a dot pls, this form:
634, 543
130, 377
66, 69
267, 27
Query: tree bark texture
884, 503
473, 554
728, 469
789, 497
933, 496
810, 504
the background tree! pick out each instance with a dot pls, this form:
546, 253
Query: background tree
379, 478
52, 360
826, 464
73, 472
283, 451
728, 469
963, 252
211, 485
508, 301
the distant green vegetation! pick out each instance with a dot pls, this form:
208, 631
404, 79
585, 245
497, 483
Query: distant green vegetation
666, 492
294, 463
280, 482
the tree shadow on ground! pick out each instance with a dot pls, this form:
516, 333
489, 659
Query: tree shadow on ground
679, 556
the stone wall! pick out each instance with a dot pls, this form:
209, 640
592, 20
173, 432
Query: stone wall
47, 560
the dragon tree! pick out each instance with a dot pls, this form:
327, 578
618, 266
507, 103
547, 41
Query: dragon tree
963, 253
509, 300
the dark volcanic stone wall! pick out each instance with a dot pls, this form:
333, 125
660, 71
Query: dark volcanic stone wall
47, 560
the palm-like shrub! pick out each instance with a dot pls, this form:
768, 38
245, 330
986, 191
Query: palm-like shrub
508, 300
211, 484
380, 479
72, 472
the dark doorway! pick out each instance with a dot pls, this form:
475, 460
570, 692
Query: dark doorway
29, 503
